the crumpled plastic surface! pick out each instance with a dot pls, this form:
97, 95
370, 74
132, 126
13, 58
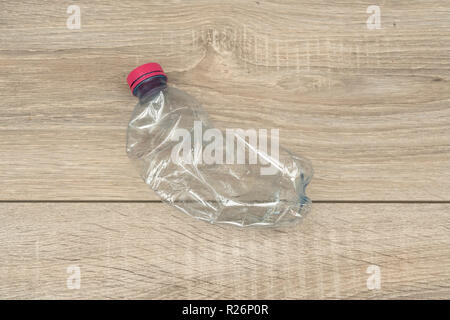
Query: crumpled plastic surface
218, 193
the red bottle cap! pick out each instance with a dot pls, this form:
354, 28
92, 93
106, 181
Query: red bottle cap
143, 72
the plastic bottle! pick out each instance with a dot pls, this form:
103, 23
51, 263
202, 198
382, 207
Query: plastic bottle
269, 192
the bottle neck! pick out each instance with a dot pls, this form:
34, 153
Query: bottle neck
150, 87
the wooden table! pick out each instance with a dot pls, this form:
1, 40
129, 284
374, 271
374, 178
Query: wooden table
369, 107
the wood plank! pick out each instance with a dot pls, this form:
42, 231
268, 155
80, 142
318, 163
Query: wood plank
370, 108
149, 250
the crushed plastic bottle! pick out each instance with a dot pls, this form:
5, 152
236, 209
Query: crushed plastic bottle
266, 193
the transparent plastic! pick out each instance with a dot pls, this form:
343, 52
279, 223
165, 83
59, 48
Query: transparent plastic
230, 193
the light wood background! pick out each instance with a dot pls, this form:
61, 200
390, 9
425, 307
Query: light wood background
369, 108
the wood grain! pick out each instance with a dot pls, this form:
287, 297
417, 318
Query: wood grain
148, 250
370, 108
